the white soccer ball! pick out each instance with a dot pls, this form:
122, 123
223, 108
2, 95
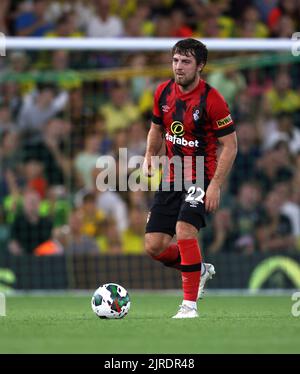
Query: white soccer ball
111, 301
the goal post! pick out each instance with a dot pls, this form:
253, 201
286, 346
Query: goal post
144, 44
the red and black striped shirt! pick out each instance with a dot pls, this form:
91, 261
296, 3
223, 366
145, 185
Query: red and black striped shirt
192, 122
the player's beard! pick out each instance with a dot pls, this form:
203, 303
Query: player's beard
184, 81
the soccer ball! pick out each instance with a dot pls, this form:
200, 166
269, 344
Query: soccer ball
110, 301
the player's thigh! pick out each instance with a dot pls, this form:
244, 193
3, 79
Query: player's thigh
191, 218
163, 214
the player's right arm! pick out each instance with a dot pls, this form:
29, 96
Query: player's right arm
155, 135
154, 145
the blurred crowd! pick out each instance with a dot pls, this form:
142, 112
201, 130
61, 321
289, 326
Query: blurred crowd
52, 131
158, 18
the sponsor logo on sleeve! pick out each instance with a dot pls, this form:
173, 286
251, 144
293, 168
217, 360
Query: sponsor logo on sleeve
224, 121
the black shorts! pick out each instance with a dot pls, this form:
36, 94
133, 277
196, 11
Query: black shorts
171, 206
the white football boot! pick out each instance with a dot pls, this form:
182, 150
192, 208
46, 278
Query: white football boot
208, 273
186, 312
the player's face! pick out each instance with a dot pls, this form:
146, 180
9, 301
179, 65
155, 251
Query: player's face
185, 69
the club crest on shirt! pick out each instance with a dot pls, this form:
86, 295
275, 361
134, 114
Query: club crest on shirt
196, 115
224, 121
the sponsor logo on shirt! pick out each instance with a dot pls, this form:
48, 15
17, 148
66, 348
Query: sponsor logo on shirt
165, 108
177, 128
225, 121
181, 141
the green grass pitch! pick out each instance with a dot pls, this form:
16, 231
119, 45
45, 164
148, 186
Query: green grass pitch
227, 324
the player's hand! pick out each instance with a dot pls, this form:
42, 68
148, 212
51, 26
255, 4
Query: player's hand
148, 166
212, 199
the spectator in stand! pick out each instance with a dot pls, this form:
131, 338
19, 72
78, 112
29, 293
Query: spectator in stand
6, 122
250, 23
289, 207
10, 159
57, 205
108, 201
274, 229
92, 217
109, 240
10, 156
281, 97
52, 150
85, 161
66, 27
29, 230
33, 23
274, 166
285, 131
72, 239
265, 7
133, 236
137, 139
4, 15
285, 27
163, 26
209, 28
245, 215
180, 27
119, 112
103, 24
288, 8
230, 83
142, 13
139, 199
18, 62
39, 107
33, 172
11, 97
133, 27
249, 152
219, 238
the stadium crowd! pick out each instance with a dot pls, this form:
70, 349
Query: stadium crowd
159, 18
54, 127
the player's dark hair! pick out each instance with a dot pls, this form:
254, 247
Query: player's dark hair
193, 47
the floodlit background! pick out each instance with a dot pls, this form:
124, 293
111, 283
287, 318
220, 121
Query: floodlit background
64, 106
60, 109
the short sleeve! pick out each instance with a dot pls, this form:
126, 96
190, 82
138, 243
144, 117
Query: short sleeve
219, 114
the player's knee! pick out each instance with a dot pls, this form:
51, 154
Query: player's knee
185, 230
152, 247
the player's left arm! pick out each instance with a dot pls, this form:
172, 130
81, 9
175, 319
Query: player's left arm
224, 165
224, 129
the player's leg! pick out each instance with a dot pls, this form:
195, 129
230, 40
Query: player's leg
158, 245
158, 240
160, 229
191, 260
191, 219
